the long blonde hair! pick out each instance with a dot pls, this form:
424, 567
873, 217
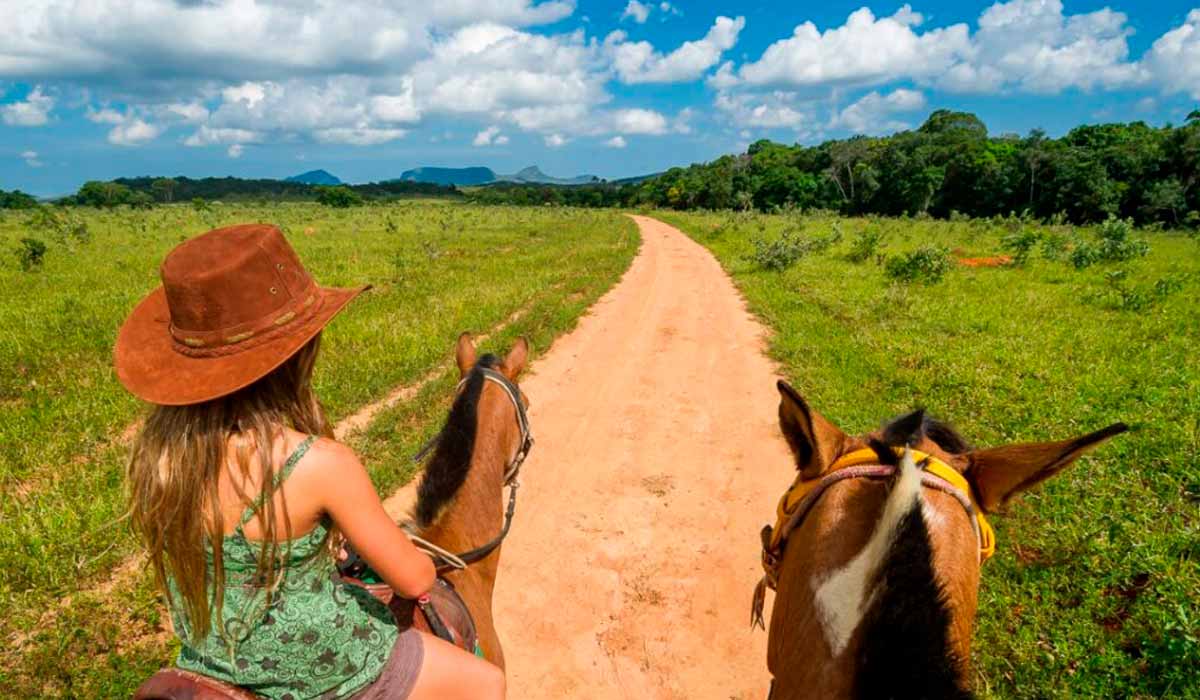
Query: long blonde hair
175, 470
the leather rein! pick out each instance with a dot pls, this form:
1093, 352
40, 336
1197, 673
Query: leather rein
453, 562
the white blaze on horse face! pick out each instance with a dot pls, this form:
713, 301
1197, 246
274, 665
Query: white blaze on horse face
842, 596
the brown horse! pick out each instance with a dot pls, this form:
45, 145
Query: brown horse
876, 581
458, 508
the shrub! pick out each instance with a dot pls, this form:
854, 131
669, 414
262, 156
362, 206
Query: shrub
1020, 243
865, 245
779, 254
927, 264
338, 196
1114, 243
199, 204
1124, 296
1054, 246
30, 253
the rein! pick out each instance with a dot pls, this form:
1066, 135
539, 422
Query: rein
800, 498
454, 562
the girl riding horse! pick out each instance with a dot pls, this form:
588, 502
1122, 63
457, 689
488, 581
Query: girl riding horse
242, 497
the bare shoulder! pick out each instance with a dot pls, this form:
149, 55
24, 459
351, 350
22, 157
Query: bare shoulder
328, 458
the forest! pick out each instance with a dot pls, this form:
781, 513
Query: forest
948, 167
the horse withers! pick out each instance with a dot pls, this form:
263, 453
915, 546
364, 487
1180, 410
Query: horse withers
458, 511
876, 554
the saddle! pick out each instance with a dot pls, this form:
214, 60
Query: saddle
440, 612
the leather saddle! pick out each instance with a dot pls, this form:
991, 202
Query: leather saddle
441, 612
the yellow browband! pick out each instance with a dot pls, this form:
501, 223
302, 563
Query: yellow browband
799, 489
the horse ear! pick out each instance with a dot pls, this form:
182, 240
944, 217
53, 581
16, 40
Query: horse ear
815, 442
999, 473
514, 362
464, 354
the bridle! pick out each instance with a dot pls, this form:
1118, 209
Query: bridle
800, 498
447, 561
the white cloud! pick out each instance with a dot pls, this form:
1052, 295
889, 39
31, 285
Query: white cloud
209, 136
616, 142
361, 135
133, 132
235, 150
105, 115
639, 62
141, 42
187, 112
485, 137
1031, 45
1174, 59
771, 111
34, 110
555, 140
863, 50
871, 113
639, 121
31, 159
636, 11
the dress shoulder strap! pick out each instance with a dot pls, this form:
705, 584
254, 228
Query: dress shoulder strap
288, 466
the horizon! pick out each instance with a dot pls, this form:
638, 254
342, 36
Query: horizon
611, 89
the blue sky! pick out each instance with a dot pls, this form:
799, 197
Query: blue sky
270, 88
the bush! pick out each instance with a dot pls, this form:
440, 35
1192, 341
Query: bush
866, 245
30, 253
338, 196
1124, 296
1114, 243
779, 254
1020, 242
927, 264
1054, 246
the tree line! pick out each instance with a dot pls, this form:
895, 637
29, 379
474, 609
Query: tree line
949, 166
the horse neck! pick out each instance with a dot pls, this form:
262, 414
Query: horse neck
476, 515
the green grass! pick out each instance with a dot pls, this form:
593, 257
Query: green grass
437, 269
1095, 588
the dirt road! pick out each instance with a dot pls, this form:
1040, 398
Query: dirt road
629, 568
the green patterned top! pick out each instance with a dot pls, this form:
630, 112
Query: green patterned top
318, 638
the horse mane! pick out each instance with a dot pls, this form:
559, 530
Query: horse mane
447, 468
905, 652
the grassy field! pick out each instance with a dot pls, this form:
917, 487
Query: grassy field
78, 616
1095, 589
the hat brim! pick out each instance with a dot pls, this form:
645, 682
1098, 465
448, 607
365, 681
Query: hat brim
152, 369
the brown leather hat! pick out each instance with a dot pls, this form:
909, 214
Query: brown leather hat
235, 303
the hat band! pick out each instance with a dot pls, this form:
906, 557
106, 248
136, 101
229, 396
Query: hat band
239, 338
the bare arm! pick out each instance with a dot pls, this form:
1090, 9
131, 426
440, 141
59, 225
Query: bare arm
350, 499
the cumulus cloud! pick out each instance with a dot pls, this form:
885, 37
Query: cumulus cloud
487, 136
865, 49
636, 11
1028, 45
555, 140
639, 121
34, 110
871, 114
770, 111
639, 62
133, 132
1174, 59
616, 142
31, 159
235, 150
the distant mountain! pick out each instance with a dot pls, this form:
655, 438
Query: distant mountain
450, 176
315, 177
534, 175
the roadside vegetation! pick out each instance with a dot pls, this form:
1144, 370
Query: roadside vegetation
949, 168
79, 616
1095, 588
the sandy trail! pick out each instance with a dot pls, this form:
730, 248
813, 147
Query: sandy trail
629, 568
